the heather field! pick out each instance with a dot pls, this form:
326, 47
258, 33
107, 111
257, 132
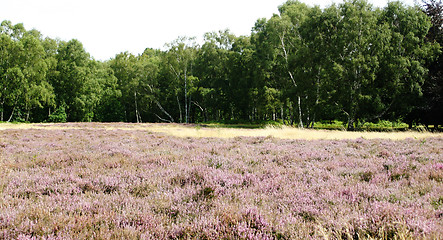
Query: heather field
128, 181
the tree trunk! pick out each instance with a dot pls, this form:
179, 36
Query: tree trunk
137, 115
12, 114
317, 98
351, 116
300, 115
3, 109
308, 118
186, 99
189, 110
291, 110
205, 118
252, 115
354, 92
232, 113
282, 114
164, 111
285, 55
180, 109
27, 116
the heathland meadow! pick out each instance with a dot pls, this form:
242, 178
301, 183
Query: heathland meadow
129, 181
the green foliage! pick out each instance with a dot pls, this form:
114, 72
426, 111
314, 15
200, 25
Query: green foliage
384, 125
23, 68
330, 125
75, 74
349, 62
58, 116
136, 85
241, 124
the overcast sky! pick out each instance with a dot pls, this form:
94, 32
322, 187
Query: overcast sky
108, 27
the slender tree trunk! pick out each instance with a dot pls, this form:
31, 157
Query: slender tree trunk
281, 114
171, 119
3, 110
253, 114
202, 109
308, 114
162, 119
140, 118
189, 110
232, 112
317, 98
186, 98
351, 116
164, 111
137, 116
12, 114
285, 55
180, 109
300, 115
354, 91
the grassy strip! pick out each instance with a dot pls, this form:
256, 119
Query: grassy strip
381, 126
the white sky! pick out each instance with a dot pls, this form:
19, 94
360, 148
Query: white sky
108, 27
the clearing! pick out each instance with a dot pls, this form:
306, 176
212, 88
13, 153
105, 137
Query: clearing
197, 131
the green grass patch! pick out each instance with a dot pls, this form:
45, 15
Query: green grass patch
240, 124
381, 126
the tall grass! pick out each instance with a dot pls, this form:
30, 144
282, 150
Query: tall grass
199, 131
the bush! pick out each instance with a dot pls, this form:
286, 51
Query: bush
384, 125
59, 116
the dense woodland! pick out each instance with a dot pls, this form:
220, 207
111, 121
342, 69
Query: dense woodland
350, 62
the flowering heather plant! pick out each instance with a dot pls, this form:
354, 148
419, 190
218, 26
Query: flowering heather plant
90, 181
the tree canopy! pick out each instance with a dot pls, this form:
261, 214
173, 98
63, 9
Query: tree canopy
349, 62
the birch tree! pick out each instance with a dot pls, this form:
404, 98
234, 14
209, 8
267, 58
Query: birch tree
23, 84
356, 63
285, 35
180, 56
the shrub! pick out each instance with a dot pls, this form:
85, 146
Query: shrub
59, 116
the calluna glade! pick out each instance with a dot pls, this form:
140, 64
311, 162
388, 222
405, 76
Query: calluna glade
93, 182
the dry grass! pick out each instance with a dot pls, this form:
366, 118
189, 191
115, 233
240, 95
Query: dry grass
180, 130
286, 133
